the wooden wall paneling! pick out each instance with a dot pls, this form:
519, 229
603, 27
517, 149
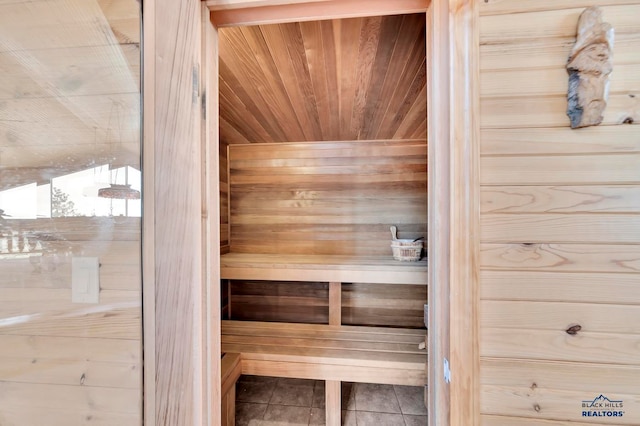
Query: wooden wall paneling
214, 5
561, 170
551, 112
578, 287
557, 345
554, 23
502, 7
547, 52
546, 315
398, 305
326, 198
280, 301
559, 141
561, 199
600, 228
617, 258
550, 403
175, 244
550, 81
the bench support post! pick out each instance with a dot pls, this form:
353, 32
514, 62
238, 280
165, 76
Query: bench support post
335, 303
333, 404
229, 407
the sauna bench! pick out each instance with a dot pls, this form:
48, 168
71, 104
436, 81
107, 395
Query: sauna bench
327, 268
325, 352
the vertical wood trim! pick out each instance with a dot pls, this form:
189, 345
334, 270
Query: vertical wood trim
438, 207
333, 401
148, 216
180, 352
211, 219
464, 212
228, 185
335, 303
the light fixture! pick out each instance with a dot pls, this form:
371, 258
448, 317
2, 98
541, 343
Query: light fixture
119, 191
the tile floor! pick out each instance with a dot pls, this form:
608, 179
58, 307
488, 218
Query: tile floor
269, 401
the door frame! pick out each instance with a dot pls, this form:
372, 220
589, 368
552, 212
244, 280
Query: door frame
182, 111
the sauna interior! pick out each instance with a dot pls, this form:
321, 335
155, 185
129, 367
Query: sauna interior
323, 147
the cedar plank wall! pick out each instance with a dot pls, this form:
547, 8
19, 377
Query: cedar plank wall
327, 198
349, 79
560, 221
72, 363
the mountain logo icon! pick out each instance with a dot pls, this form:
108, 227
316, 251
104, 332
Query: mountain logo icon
599, 401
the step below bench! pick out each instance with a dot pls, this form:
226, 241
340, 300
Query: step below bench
330, 352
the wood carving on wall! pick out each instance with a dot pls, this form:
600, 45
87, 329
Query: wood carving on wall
589, 66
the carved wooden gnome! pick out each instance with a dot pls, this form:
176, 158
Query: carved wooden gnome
589, 67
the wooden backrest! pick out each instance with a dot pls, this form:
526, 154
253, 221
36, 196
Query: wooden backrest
326, 197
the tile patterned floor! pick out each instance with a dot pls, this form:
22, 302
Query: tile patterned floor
267, 401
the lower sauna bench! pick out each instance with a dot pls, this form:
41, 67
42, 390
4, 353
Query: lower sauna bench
326, 352
331, 352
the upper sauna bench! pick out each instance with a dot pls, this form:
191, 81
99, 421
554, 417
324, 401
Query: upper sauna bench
326, 268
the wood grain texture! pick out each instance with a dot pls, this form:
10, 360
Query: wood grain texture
561, 199
296, 11
544, 53
67, 67
51, 345
550, 111
499, 420
599, 228
561, 170
560, 375
438, 110
336, 198
533, 290
557, 345
579, 287
561, 257
348, 79
554, 23
322, 352
557, 141
177, 234
592, 317
211, 287
326, 268
335, 303
501, 7
333, 400
465, 231
384, 305
554, 404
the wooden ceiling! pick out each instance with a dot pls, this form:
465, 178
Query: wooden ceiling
69, 92
348, 79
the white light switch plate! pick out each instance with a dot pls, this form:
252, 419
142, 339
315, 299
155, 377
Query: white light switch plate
85, 280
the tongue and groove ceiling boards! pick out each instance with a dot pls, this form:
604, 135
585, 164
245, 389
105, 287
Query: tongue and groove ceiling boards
346, 79
69, 93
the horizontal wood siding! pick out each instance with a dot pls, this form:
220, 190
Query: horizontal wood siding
395, 305
560, 235
326, 198
66, 362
